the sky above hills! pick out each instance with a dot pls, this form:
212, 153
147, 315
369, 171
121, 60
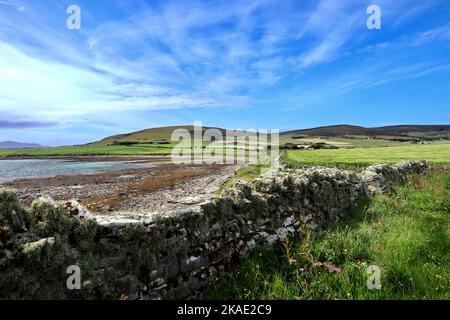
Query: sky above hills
269, 64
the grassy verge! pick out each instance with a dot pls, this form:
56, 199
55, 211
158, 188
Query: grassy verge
405, 233
247, 173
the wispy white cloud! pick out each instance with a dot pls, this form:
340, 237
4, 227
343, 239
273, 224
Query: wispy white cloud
440, 33
173, 55
410, 9
19, 7
61, 92
358, 78
168, 68
330, 25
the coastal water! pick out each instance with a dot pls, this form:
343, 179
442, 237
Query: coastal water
22, 169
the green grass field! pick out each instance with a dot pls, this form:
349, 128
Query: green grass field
143, 138
434, 153
134, 149
343, 142
405, 233
141, 149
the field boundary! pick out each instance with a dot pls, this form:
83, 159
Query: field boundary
172, 255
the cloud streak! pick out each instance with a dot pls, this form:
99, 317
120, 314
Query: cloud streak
6, 124
143, 56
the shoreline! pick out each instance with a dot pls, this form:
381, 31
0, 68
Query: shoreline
91, 158
133, 190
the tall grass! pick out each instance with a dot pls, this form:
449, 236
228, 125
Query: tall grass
406, 233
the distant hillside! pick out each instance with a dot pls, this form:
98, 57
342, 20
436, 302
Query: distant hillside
17, 145
417, 129
332, 131
150, 135
350, 130
410, 128
163, 134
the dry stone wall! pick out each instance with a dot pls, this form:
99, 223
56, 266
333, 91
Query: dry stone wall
172, 254
380, 177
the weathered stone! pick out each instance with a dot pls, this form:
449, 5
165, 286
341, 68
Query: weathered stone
30, 247
77, 210
172, 253
380, 177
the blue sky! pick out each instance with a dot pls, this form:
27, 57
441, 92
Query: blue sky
236, 64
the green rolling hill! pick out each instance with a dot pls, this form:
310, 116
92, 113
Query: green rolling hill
162, 134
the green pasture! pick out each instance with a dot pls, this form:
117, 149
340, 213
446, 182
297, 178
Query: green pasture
140, 149
434, 153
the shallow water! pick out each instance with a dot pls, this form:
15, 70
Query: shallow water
23, 169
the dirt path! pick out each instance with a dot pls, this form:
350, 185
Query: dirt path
138, 191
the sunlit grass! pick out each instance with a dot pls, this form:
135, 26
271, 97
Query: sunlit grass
405, 233
141, 149
434, 153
